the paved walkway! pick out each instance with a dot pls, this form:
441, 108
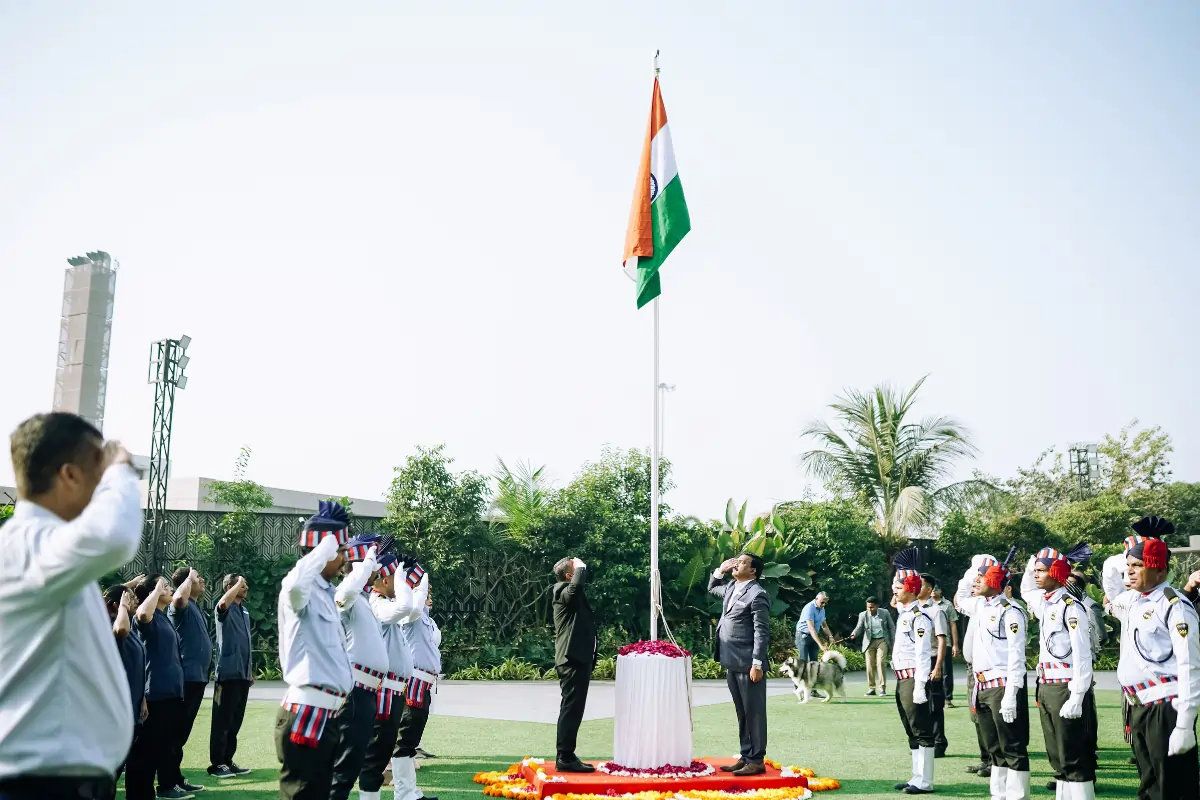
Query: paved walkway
537, 701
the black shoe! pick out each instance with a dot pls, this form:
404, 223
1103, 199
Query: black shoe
939, 753
1133, 760
422, 754
190, 787
573, 766
1052, 785
910, 789
174, 793
974, 768
236, 770
871, 693
751, 768
900, 787
221, 771
984, 772
741, 762
883, 692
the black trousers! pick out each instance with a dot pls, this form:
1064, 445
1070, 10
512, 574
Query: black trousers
1163, 777
412, 728
306, 772
44, 787
984, 758
948, 678
750, 703
228, 711
379, 749
355, 722
193, 698
155, 750
917, 717
1070, 743
937, 704
573, 680
1007, 742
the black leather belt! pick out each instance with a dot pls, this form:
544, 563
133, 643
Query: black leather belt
35, 786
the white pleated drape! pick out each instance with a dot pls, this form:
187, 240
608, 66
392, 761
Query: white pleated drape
653, 725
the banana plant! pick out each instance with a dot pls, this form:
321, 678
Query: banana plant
766, 536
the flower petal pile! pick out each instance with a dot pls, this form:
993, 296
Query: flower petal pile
696, 769
654, 648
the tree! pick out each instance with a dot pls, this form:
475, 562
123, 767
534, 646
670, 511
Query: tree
1102, 519
897, 466
433, 511
1138, 463
521, 501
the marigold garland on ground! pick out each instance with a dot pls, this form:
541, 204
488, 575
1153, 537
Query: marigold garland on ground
510, 784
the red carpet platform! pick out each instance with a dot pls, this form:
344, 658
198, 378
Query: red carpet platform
599, 783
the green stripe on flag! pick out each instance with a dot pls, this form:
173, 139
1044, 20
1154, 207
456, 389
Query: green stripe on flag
670, 223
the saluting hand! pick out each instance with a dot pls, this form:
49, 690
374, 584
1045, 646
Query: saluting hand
728, 564
115, 453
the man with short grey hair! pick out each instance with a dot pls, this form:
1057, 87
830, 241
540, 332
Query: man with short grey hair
877, 629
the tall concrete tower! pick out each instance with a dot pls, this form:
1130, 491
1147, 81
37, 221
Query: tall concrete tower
83, 338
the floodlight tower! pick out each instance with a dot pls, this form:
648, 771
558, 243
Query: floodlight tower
1085, 467
168, 359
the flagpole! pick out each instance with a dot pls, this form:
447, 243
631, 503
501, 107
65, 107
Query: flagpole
654, 576
655, 588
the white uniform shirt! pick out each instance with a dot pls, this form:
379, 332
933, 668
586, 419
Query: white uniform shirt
64, 696
364, 635
998, 649
1064, 635
1160, 657
312, 645
913, 648
392, 613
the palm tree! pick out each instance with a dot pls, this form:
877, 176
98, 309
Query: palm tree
898, 466
521, 501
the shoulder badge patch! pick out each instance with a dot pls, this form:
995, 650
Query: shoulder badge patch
921, 632
1182, 629
1148, 614
1073, 622
1012, 626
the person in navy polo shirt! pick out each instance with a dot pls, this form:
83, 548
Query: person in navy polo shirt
155, 750
235, 673
195, 651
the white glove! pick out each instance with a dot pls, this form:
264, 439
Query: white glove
1182, 740
1073, 708
578, 564
1030, 565
977, 561
1008, 707
920, 695
327, 548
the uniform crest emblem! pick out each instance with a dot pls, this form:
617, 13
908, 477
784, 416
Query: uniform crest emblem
1074, 623
1053, 617
1148, 614
993, 618
1182, 629
921, 632
1012, 626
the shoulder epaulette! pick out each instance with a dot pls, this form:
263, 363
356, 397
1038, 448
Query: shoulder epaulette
1004, 601
1170, 594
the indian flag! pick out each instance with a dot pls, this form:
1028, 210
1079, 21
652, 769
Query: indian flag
659, 218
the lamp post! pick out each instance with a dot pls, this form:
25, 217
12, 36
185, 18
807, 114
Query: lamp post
168, 359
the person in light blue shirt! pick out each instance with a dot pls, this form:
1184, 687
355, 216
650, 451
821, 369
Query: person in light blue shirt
812, 622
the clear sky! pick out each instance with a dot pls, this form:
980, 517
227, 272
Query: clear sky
385, 228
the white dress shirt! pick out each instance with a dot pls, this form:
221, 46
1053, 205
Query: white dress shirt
312, 644
64, 695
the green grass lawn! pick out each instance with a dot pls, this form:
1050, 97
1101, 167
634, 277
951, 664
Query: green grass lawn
860, 743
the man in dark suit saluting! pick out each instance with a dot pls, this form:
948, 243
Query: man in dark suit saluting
575, 645
743, 636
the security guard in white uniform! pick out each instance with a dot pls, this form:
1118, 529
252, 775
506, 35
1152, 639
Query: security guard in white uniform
1066, 701
1000, 699
912, 660
1160, 669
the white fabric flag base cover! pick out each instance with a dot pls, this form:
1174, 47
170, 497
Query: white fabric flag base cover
653, 724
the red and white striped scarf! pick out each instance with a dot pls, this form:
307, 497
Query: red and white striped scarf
310, 721
383, 709
417, 691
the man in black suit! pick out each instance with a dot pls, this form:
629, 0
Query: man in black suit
575, 646
743, 636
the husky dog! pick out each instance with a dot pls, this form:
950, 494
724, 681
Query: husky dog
826, 674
